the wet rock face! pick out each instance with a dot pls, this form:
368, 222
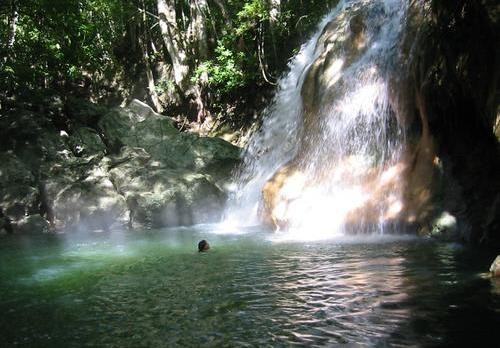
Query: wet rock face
324, 81
445, 100
495, 267
454, 75
133, 169
345, 59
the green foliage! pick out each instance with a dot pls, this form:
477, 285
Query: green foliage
251, 15
57, 41
60, 42
224, 72
164, 86
253, 30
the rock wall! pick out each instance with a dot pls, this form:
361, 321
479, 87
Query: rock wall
446, 100
451, 94
108, 168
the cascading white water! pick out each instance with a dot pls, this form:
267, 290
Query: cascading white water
345, 157
276, 141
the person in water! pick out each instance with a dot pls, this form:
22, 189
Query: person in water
203, 246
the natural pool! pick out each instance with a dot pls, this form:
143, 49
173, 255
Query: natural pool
152, 289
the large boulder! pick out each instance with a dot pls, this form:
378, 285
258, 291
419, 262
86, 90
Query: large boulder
167, 177
161, 196
83, 196
33, 224
18, 191
138, 126
86, 141
152, 176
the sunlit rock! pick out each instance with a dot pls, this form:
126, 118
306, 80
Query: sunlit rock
139, 126
88, 201
106, 169
161, 196
271, 196
155, 168
495, 267
444, 227
360, 164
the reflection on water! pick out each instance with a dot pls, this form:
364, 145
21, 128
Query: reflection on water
152, 289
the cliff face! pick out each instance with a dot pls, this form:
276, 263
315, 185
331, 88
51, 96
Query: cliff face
452, 91
443, 95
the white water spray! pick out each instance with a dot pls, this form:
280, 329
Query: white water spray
350, 157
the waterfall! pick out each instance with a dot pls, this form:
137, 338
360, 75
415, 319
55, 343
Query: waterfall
329, 152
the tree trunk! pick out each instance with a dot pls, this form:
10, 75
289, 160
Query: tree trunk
274, 14
275, 10
198, 29
13, 17
144, 41
11, 38
261, 55
199, 45
224, 13
173, 40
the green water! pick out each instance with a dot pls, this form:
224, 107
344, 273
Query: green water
152, 289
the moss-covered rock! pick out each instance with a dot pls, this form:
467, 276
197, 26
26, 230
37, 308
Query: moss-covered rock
161, 196
126, 126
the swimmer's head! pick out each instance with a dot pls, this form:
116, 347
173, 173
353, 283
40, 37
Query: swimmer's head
203, 246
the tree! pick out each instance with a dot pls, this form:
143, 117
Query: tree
144, 42
174, 40
175, 53
13, 18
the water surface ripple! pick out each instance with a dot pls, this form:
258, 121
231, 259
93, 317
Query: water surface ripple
153, 290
